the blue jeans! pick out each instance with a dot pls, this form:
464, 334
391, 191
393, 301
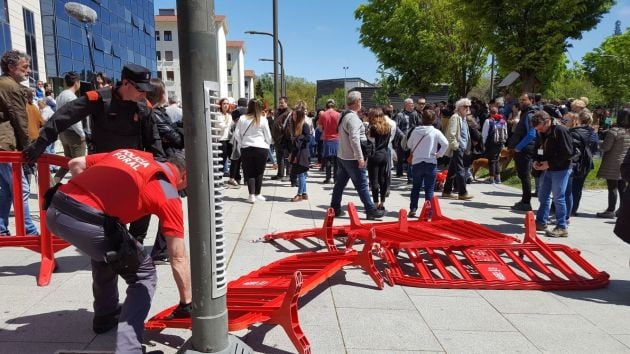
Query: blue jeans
272, 154
6, 199
349, 169
301, 182
423, 173
553, 182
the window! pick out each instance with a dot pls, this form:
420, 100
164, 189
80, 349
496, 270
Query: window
171, 93
168, 55
5, 30
229, 87
229, 72
159, 75
158, 55
157, 35
31, 43
229, 56
168, 36
170, 76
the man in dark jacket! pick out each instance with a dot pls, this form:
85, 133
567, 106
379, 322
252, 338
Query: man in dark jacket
13, 133
280, 140
554, 149
622, 227
522, 141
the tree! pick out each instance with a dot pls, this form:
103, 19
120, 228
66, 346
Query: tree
530, 36
339, 95
608, 67
573, 82
297, 89
423, 42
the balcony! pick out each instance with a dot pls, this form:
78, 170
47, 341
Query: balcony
169, 83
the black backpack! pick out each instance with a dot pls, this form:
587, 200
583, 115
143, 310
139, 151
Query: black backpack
367, 146
582, 158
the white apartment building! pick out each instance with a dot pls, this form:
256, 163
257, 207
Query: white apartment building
235, 69
22, 30
231, 75
250, 75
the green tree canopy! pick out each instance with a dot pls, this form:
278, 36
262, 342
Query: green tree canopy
297, 89
424, 42
609, 67
339, 95
529, 36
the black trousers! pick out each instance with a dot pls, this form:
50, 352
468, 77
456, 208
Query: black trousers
254, 162
282, 161
614, 187
235, 170
456, 173
523, 162
378, 175
331, 166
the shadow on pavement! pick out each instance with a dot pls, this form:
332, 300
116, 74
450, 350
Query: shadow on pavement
615, 293
479, 205
308, 213
309, 244
66, 264
502, 194
168, 340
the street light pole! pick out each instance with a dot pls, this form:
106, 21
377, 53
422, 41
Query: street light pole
87, 16
345, 74
282, 78
197, 38
283, 83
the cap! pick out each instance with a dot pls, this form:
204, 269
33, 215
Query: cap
330, 101
139, 75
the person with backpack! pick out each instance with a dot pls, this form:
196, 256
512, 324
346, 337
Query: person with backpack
584, 147
426, 144
494, 134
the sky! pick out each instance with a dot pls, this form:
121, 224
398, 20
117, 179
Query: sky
321, 37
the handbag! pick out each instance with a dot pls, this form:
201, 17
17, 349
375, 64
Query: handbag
236, 148
410, 157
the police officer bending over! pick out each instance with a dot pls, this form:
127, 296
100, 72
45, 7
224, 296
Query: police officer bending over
90, 214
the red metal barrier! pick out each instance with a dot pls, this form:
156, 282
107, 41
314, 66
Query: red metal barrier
46, 244
431, 226
270, 294
532, 265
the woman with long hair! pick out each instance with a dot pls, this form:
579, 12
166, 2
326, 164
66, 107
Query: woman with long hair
225, 120
253, 137
379, 131
300, 155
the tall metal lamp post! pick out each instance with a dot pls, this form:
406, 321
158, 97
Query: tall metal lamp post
87, 16
283, 83
345, 78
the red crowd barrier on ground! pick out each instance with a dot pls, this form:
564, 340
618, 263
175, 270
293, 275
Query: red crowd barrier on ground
270, 294
435, 251
532, 265
440, 230
46, 244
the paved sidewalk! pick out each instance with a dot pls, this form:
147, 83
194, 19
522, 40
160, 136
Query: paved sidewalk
348, 314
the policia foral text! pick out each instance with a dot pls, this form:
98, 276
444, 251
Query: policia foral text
120, 118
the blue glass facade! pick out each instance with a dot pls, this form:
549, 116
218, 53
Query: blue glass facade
5, 31
123, 33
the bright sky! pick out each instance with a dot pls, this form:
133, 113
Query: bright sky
321, 37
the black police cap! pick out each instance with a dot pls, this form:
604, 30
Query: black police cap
140, 75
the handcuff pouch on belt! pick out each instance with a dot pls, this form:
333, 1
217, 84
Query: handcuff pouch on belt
125, 254
48, 196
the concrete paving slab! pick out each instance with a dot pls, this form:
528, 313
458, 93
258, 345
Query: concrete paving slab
484, 342
451, 313
565, 333
525, 301
385, 330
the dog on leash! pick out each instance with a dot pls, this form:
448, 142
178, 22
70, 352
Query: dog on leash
505, 157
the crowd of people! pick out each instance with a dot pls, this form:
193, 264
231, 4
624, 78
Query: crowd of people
552, 143
134, 134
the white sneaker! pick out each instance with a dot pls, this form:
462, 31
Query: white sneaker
252, 198
260, 198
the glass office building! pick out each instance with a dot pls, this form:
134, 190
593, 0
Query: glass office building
123, 33
5, 30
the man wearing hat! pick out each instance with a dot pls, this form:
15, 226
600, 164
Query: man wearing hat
121, 119
328, 121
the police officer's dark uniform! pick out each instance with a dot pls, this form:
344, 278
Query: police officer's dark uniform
115, 124
85, 211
